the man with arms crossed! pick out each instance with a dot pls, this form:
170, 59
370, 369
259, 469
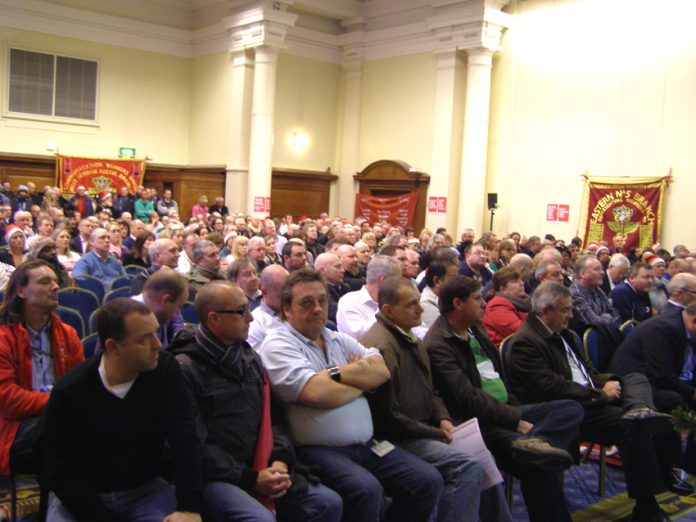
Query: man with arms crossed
321, 376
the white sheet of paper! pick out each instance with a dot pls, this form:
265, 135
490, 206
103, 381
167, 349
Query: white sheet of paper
467, 437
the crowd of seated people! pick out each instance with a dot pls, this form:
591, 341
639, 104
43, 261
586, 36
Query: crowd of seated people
324, 365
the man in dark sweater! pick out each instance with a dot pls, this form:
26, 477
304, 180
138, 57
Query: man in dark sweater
248, 465
106, 425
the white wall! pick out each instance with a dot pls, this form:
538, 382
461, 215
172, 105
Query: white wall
604, 87
143, 102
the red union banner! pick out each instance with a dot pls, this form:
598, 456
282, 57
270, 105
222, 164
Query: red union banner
98, 175
632, 207
397, 210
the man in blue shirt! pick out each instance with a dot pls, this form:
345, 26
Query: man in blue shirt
97, 262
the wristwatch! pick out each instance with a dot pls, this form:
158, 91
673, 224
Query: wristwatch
335, 373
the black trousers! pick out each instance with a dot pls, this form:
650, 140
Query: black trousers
647, 458
22, 449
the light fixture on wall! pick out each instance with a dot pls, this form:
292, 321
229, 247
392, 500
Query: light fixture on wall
298, 141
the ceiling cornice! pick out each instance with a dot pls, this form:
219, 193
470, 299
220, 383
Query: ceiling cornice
459, 24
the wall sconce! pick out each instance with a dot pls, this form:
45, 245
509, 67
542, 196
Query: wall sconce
298, 141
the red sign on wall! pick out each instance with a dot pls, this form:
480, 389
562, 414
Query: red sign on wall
564, 213
97, 175
557, 213
262, 204
437, 205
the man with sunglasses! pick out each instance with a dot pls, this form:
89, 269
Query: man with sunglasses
321, 376
249, 465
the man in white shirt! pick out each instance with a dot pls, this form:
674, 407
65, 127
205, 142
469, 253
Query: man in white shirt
266, 315
356, 310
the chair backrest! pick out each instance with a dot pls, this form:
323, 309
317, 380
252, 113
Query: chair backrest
591, 346
80, 299
504, 358
121, 282
91, 283
92, 323
72, 318
134, 270
119, 292
188, 312
627, 327
89, 344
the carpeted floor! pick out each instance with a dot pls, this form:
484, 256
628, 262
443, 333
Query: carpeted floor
580, 486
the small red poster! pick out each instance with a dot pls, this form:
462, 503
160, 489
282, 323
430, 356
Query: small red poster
437, 205
260, 204
551, 212
564, 213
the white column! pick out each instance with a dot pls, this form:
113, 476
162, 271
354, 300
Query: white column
472, 182
261, 143
442, 170
351, 138
238, 145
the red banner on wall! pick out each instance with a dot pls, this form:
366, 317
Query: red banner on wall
397, 210
98, 175
630, 207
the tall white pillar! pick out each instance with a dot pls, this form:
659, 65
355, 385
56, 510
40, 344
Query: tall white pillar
351, 138
472, 181
261, 142
240, 118
442, 174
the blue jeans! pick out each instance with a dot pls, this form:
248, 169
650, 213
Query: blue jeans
362, 479
151, 502
462, 475
225, 502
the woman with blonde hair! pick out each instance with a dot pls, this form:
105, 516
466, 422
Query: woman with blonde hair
67, 257
239, 249
115, 240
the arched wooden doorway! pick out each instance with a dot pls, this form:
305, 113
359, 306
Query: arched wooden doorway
387, 178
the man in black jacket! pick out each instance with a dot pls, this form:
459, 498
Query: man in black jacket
106, 424
530, 441
248, 465
330, 265
545, 364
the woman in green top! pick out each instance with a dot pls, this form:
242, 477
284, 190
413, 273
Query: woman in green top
143, 207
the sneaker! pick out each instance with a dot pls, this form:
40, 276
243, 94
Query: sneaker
537, 452
653, 420
678, 485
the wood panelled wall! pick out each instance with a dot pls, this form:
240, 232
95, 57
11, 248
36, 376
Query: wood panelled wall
300, 193
292, 191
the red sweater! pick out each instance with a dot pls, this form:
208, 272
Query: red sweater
501, 319
17, 400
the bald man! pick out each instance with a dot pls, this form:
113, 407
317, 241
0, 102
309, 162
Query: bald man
266, 314
330, 265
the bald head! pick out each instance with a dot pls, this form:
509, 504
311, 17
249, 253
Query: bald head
682, 288
272, 280
523, 264
330, 265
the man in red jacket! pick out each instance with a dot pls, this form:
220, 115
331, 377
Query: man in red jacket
36, 349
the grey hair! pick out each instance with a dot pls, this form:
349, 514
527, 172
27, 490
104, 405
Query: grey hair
156, 245
382, 267
619, 260
581, 263
256, 239
547, 295
679, 282
199, 247
543, 267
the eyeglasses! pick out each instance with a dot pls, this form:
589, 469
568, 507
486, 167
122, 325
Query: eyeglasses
310, 304
239, 311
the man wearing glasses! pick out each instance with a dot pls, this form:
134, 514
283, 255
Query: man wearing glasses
321, 377
249, 466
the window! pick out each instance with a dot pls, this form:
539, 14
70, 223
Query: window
50, 85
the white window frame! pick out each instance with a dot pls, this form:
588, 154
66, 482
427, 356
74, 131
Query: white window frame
7, 113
